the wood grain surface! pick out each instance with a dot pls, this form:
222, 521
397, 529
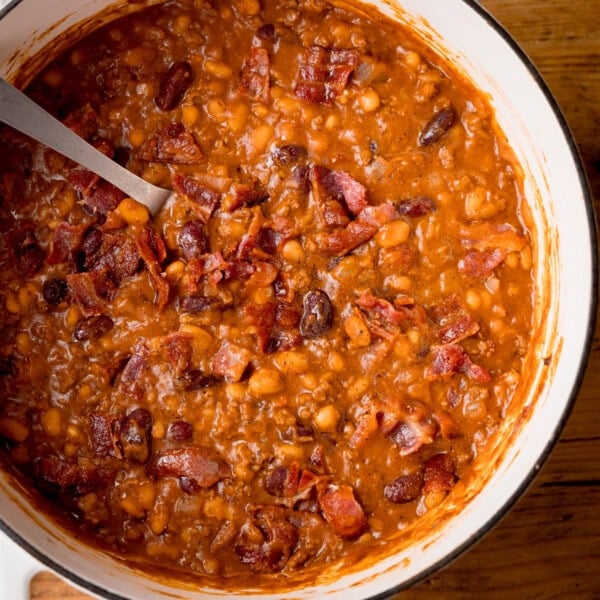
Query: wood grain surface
548, 546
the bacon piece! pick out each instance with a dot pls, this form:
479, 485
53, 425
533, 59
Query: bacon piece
412, 433
196, 304
135, 366
451, 359
204, 200
283, 481
102, 437
399, 260
91, 291
195, 379
341, 510
323, 73
67, 239
366, 427
82, 180
453, 320
178, 350
59, 476
247, 195
153, 252
104, 197
115, 254
231, 361
335, 193
250, 237
254, 79
405, 488
171, 144
83, 121
280, 537
344, 239
200, 465
192, 240
383, 320
438, 474
25, 249
134, 435
481, 264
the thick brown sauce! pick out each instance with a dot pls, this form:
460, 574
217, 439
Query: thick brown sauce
310, 347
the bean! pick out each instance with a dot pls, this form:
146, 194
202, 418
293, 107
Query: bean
327, 418
404, 489
54, 290
93, 328
173, 85
192, 240
180, 431
265, 381
437, 126
289, 154
317, 318
266, 33
197, 380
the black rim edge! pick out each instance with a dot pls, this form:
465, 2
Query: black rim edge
544, 454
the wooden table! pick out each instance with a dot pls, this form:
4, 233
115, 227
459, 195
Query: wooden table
549, 544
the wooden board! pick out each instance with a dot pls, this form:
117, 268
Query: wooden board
549, 544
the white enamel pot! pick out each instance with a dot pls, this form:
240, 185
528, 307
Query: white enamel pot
565, 255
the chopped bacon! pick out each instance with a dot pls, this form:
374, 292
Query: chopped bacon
378, 215
231, 361
178, 350
196, 304
481, 264
418, 206
247, 195
204, 200
438, 474
250, 238
104, 197
283, 481
344, 239
453, 320
82, 180
324, 73
412, 433
335, 193
405, 488
366, 427
59, 476
115, 254
91, 290
153, 252
399, 260
199, 465
135, 366
451, 359
134, 436
83, 121
279, 539
67, 239
341, 510
25, 249
382, 318
171, 144
447, 425
254, 79
101, 434
489, 236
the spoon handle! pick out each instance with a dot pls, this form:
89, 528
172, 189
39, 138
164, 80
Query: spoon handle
21, 113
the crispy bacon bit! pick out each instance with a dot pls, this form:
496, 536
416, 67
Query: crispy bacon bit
413, 433
135, 366
204, 201
324, 73
249, 240
247, 195
451, 359
489, 236
405, 488
453, 320
192, 240
200, 465
91, 290
196, 304
283, 481
366, 427
153, 252
115, 254
231, 361
178, 350
341, 510
82, 180
335, 193
101, 435
83, 121
59, 476
418, 206
254, 79
279, 539
438, 474
171, 144
25, 250
67, 239
481, 264
383, 320
104, 197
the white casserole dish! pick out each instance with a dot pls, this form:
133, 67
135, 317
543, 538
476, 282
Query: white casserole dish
566, 297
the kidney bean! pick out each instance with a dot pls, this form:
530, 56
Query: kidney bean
192, 240
317, 317
173, 85
197, 380
437, 126
135, 435
266, 33
418, 206
180, 431
93, 328
55, 290
404, 489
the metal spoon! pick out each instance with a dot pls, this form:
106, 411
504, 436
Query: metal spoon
21, 113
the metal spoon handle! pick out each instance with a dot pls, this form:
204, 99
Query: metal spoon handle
21, 113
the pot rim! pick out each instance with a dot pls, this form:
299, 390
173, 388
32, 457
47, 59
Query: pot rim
544, 453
